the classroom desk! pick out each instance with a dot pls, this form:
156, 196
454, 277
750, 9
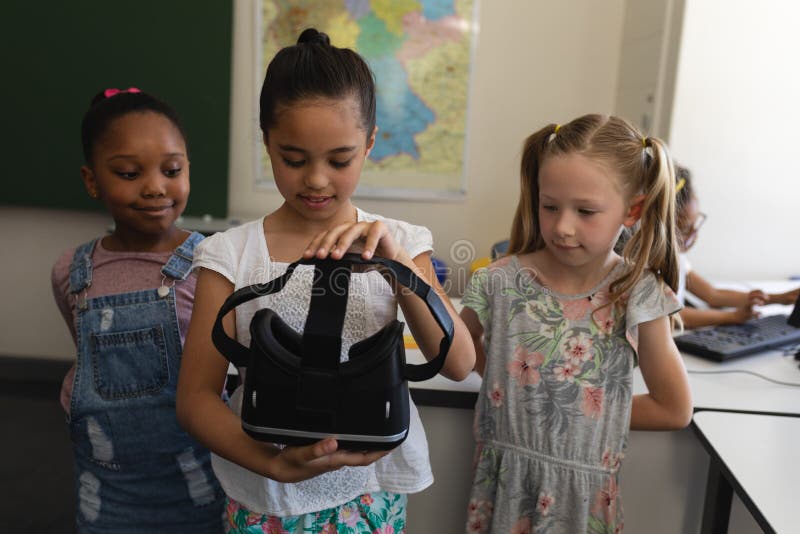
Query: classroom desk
724, 388
741, 384
758, 457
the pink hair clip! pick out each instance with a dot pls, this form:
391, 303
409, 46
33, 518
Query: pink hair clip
108, 93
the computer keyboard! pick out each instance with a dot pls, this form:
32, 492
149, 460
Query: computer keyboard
730, 341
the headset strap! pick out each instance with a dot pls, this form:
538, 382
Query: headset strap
406, 277
239, 355
322, 334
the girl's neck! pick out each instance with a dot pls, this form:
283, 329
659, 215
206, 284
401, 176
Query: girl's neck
288, 233
285, 219
567, 279
124, 240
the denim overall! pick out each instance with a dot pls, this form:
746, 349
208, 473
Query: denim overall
136, 470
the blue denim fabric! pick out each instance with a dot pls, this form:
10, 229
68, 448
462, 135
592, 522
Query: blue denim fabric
136, 470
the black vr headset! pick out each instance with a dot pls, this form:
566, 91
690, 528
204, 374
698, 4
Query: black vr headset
297, 392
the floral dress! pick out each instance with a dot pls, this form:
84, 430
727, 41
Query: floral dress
372, 513
553, 412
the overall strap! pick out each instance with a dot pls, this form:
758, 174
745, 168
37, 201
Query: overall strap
179, 264
80, 270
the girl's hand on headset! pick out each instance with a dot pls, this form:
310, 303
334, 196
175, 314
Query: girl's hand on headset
367, 238
293, 464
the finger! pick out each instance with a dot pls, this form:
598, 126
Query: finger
314, 245
338, 459
347, 238
379, 239
302, 455
330, 240
297, 463
356, 459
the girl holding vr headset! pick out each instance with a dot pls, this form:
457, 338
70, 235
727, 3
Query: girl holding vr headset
318, 122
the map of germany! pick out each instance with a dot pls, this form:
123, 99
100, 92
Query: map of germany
420, 52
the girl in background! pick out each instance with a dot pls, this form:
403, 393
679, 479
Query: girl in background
126, 298
561, 321
318, 123
739, 303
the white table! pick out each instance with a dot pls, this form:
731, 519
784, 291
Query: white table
740, 384
715, 387
758, 457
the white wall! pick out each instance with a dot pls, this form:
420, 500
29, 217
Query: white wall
737, 107
535, 62
31, 240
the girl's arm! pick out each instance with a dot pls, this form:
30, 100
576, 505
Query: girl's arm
59, 280
695, 318
378, 241
668, 403
461, 357
65, 395
475, 329
203, 414
788, 297
721, 298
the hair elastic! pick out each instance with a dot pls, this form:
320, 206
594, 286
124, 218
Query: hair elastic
108, 93
680, 185
644, 142
558, 127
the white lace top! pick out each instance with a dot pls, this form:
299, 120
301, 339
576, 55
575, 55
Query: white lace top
240, 255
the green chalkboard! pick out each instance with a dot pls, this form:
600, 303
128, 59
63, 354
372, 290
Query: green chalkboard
57, 55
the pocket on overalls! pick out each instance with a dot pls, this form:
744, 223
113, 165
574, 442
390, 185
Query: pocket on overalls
130, 363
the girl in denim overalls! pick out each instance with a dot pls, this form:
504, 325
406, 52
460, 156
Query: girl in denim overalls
127, 299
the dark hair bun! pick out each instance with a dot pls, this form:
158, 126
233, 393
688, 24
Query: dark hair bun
312, 36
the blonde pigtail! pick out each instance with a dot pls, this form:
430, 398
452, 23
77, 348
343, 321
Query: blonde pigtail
653, 245
525, 235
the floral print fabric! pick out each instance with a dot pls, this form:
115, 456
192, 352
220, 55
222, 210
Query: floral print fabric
371, 513
553, 412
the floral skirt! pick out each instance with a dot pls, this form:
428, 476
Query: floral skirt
371, 513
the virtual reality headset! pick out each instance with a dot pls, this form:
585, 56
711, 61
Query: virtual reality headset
296, 390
